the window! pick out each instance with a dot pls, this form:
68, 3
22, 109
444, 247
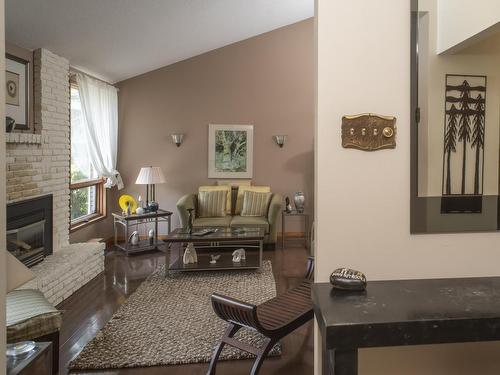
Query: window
88, 196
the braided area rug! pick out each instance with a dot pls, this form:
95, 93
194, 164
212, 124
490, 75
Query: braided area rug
169, 321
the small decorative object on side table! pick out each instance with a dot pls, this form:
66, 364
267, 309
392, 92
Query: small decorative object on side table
128, 222
299, 200
284, 215
37, 362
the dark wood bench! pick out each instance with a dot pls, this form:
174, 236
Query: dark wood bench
274, 319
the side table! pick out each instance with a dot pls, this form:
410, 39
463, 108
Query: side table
36, 362
285, 215
127, 222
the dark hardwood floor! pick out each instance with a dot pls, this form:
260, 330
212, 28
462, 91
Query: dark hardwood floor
86, 312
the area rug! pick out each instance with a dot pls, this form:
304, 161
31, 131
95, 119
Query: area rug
170, 321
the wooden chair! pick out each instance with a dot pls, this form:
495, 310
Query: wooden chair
274, 319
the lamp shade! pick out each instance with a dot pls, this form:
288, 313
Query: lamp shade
17, 273
150, 175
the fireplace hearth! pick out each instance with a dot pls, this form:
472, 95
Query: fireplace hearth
29, 229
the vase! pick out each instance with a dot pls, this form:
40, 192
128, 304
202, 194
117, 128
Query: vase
299, 200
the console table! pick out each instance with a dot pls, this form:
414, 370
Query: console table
404, 312
132, 222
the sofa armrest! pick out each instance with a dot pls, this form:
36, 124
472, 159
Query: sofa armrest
275, 208
185, 202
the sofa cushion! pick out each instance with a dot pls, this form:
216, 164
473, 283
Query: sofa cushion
241, 194
250, 221
218, 188
30, 315
212, 222
212, 203
255, 204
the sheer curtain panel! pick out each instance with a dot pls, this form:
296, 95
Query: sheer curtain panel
100, 114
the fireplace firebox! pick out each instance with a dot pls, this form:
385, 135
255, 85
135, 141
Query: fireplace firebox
29, 229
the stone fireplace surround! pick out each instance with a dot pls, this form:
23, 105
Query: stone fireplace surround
38, 164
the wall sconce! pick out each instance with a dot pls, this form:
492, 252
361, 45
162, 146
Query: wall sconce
280, 140
177, 138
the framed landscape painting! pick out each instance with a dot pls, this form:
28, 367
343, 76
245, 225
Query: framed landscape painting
230, 151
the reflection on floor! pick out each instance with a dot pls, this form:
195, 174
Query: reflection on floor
91, 307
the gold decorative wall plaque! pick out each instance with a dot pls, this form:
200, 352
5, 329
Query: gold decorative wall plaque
368, 132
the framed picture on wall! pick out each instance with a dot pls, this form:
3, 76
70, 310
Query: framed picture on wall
230, 151
17, 90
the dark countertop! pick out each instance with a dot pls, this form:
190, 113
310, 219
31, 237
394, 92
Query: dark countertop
408, 312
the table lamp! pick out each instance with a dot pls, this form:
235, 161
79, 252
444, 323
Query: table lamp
150, 176
17, 273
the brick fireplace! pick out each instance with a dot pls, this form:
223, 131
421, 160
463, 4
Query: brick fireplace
38, 163
38, 173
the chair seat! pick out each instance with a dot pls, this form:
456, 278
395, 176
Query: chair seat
250, 222
287, 308
30, 315
222, 222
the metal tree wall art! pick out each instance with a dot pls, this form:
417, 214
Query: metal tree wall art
464, 132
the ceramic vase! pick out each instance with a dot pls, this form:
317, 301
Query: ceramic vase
190, 255
151, 236
134, 238
299, 200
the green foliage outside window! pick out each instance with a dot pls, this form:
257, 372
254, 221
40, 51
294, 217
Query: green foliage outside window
79, 197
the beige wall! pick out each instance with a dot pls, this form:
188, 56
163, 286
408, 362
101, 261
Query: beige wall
266, 81
363, 199
462, 20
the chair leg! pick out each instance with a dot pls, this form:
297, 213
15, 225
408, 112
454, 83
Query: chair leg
262, 356
230, 332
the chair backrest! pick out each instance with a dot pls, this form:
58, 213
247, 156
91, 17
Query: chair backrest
310, 269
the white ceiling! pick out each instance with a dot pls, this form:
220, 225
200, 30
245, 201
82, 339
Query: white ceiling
119, 39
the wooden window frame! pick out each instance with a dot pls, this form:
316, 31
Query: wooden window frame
101, 211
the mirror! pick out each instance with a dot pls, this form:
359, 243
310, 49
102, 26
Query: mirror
455, 125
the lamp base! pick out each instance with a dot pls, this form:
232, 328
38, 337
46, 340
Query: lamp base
153, 206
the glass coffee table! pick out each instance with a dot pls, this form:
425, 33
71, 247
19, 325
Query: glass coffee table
216, 243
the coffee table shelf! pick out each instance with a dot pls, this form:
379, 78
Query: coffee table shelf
251, 239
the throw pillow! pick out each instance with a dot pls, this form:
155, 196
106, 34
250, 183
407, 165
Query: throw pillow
212, 203
241, 193
255, 204
214, 188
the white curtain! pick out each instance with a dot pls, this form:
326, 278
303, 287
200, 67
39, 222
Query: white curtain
100, 113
